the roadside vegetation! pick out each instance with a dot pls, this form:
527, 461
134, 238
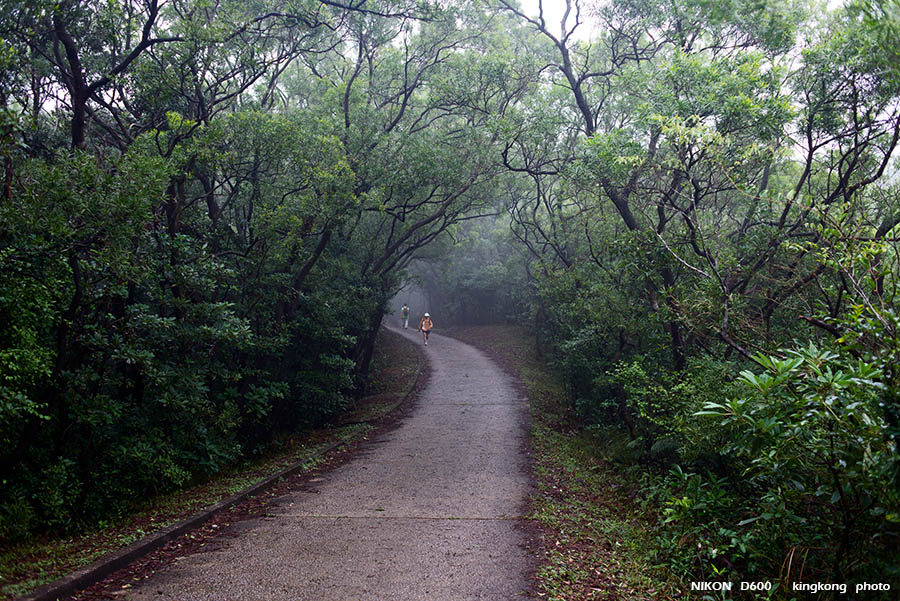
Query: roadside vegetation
596, 533
206, 208
703, 241
396, 368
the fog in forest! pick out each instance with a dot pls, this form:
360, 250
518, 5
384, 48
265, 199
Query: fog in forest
209, 209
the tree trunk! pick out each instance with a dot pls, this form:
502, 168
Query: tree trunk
366, 348
74, 80
7, 182
677, 341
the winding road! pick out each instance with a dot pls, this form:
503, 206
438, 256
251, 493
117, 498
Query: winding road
430, 511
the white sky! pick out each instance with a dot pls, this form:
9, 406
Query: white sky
553, 12
554, 9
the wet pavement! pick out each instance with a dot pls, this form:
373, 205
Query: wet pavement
431, 510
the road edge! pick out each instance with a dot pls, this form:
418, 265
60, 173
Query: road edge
116, 560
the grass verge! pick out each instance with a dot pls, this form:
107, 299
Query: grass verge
30, 564
597, 540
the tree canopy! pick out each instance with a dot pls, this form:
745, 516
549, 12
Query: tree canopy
207, 206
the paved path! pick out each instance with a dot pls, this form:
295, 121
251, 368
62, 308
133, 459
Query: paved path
431, 511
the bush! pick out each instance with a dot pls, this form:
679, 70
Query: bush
138, 360
664, 405
820, 462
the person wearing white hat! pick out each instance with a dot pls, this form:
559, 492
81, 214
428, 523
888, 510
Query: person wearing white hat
425, 326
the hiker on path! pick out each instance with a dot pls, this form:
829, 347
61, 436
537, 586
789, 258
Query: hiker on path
404, 314
425, 326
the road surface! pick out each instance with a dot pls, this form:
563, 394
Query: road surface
430, 511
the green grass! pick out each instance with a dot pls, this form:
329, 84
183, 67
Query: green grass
40, 560
598, 540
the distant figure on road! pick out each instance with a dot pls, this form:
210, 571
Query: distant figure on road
425, 326
404, 314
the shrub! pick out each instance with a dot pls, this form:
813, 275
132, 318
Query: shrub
819, 459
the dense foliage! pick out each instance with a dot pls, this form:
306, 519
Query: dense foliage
207, 206
705, 206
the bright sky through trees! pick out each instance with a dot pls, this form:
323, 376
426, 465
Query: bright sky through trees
555, 9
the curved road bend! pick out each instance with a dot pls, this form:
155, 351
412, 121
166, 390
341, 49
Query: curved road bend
430, 511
